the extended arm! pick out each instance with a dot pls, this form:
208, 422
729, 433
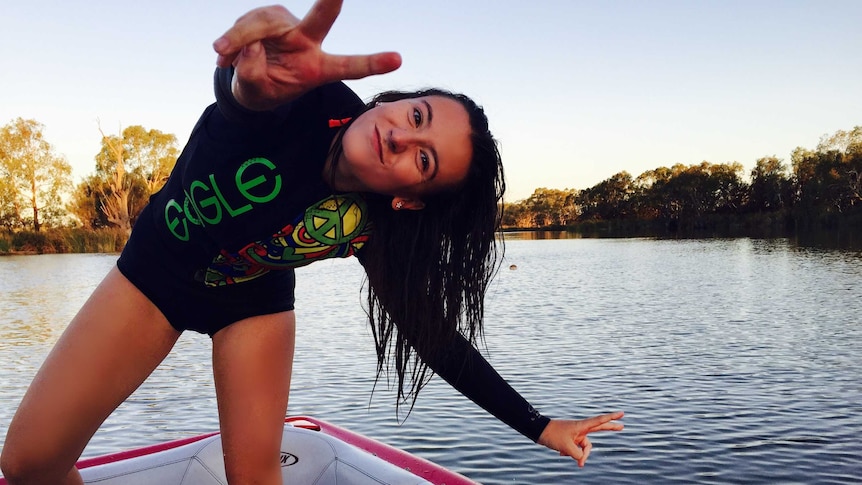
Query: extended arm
464, 368
278, 57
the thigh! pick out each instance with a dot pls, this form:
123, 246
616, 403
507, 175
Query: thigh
252, 362
113, 343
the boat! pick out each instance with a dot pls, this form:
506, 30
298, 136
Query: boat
313, 452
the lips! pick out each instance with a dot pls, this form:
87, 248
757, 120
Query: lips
378, 145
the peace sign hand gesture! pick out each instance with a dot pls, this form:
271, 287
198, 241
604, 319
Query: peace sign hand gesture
278, 57
570, 437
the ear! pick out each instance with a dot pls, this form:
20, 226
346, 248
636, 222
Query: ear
401, 203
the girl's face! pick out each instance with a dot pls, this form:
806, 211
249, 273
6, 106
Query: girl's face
407, 148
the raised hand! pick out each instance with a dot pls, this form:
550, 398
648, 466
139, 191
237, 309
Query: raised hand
278, 57
570, 437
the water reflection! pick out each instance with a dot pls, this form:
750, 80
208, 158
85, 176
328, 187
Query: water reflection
849, 241
843, 240
735, 359
540, 235
41, 294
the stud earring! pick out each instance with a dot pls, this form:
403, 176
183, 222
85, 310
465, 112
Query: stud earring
399, 205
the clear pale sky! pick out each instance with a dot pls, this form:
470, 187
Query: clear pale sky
576, 91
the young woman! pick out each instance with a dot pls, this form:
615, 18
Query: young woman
286, 168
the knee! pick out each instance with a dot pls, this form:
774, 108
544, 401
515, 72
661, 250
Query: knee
9, 467
14, 467
24, 468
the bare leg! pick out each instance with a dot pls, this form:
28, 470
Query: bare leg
252, 362
113, 343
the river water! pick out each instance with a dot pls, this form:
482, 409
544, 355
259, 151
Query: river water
735, 360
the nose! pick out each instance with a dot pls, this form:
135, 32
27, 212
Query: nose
400, 140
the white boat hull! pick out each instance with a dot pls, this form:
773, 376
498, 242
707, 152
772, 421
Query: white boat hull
313, 452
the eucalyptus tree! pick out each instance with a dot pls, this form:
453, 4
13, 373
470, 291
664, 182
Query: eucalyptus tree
551, 206
609, 199
34, 178
130, 167
829, 178
769, 188
843, 153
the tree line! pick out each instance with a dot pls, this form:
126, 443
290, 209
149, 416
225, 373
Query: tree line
818, 186
36, 188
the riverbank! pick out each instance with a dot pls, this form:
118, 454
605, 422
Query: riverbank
62, 240
844, 227
756, 225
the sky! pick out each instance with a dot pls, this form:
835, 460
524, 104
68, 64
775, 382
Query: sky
576, 91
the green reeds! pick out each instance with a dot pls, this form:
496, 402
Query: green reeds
63, 240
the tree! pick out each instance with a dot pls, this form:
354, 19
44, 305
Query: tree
842, 141
34, 178
551, 206
769, 185
10, 213
150, 155
689, 192
129, 168
609, 199
648, 200
664, 192
829, 179
727, 192
516, 215
85, 203
844, 150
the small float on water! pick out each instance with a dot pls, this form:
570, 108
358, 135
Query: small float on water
313, 452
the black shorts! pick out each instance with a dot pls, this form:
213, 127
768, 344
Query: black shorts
165, 276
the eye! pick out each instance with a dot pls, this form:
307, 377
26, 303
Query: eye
417, 117
425, 160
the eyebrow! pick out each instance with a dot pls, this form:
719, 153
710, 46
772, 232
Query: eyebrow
433, 151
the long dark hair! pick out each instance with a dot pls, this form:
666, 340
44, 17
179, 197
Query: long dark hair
428, 269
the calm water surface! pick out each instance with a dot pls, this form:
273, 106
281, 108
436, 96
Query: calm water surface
736, 361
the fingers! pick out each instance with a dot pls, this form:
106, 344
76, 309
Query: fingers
258, 24
607, 427
605, 422
337, 68
250, 73
603, 419
578, 451
573, 450
587, 446
283, 33
570, 437
319, 19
